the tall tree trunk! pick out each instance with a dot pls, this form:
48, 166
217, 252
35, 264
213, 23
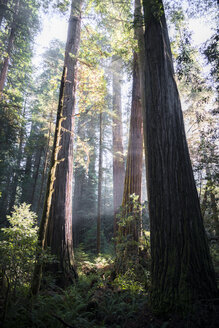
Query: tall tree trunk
4, 69
182, 270
133, 175
56, 224
59, 236
118, 157
37, 275
100, 175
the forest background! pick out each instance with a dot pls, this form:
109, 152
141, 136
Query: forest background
30, 91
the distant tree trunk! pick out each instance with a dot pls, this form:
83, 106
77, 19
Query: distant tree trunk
47, 153
25, 194
36, 173
100, 175
30, 168
56, 224
79, 190
79, 187
17, 170
182, 271
4, 68
92, 181
118, 157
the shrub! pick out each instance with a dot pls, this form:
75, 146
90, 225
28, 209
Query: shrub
18, 247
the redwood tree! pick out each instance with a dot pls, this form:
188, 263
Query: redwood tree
56, 223
182, 270
133, 175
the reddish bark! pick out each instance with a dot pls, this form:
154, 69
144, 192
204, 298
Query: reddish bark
182, 271
56, 224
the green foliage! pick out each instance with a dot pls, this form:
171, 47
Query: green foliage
94, 301
18, 246
62, 5
128, 281
127, 240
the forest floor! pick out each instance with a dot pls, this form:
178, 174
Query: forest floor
98, 299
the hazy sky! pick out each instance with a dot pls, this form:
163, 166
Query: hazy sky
55, 26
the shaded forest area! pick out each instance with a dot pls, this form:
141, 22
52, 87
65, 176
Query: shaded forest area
109, 165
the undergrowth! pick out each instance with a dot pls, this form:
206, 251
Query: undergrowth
94, 301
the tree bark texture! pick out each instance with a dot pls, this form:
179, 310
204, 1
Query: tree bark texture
56, 224
133, 173
181, 270
133, 176
118, 156
59, 235
37, 275
100, 176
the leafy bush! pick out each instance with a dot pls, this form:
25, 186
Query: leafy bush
128, 281
18, 245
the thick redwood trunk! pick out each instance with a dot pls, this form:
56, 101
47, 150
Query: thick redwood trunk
133, 176
59, 236
37, 275
56, 224
118, 157
181, 265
